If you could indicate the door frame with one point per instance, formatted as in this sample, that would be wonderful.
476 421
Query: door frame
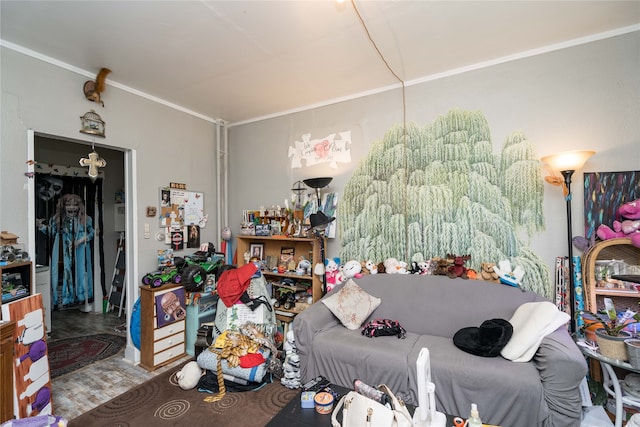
131 353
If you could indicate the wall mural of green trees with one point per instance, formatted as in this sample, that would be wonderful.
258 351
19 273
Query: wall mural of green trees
442 190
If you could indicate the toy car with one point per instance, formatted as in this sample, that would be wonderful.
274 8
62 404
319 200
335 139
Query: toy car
287 299
159 278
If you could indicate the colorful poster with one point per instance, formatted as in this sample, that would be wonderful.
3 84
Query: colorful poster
170 306
31 377
604 193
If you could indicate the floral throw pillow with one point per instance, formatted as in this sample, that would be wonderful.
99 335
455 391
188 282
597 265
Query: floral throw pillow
351 305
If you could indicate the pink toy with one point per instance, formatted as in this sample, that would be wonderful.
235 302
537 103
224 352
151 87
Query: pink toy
628 227
332 271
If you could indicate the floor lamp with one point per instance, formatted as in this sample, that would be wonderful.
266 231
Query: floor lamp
567 163
319 221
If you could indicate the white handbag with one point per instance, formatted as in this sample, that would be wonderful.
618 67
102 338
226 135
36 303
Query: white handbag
361 411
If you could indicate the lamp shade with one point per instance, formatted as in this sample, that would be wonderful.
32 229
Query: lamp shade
567 160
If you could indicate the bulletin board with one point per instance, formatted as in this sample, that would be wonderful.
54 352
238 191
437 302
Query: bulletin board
182 216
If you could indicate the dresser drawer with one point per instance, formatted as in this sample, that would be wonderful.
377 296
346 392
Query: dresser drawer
170 329
168 342
169 354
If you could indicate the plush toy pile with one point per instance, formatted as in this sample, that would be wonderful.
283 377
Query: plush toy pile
451 265
627 224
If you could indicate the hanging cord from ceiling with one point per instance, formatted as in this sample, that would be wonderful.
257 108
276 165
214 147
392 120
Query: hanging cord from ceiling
404 125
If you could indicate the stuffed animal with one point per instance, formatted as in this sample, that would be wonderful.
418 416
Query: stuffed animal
332 272
371 267
189 375
393 266
351 269
442 266
628 227
304 266
509 276
488 273
458 269
426 267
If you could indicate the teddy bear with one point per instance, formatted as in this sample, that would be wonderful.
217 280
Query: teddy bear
488 273
628 227
189 376
442 266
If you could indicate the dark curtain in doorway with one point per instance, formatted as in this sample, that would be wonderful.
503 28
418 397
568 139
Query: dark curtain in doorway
68 221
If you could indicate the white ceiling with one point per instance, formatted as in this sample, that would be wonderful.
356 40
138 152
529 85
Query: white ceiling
245 60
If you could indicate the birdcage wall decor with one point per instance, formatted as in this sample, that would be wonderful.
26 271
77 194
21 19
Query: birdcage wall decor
92 124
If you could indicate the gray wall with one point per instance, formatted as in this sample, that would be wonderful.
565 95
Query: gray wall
171 146
584 97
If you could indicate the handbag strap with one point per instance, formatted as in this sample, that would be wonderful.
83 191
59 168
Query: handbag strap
397 404
334 415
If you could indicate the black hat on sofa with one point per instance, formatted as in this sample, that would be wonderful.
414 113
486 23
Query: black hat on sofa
487 341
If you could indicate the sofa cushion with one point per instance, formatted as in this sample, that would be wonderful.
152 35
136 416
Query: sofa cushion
531 322
351 305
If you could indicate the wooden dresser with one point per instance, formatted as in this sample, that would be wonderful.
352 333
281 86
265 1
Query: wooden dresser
162 336
6 367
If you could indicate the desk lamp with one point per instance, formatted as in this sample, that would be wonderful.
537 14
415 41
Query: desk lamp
567 163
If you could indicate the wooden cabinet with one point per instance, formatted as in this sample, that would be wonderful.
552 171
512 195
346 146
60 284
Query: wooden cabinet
160 343
309 248
7 329
619 249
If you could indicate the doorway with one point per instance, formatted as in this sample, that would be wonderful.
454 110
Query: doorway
58 157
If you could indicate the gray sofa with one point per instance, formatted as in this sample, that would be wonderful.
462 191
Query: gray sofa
543 392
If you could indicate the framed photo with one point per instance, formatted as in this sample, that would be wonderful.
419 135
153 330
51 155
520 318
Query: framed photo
257 250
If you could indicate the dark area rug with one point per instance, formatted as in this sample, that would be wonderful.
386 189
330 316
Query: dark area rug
70 354
161 402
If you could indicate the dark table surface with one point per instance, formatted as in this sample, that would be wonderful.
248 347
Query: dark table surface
294 415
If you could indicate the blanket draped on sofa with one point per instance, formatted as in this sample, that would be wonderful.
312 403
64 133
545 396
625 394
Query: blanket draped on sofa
541 392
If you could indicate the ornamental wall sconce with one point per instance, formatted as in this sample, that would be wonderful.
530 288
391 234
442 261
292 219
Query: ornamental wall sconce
92 124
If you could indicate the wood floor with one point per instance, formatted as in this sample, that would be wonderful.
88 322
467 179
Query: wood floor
89 387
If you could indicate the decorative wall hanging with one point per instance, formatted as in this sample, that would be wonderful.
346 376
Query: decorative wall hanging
92 124
93 162
445 191
93 89
326 150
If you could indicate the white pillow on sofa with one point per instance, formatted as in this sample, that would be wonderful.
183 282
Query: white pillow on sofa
352 305
531 322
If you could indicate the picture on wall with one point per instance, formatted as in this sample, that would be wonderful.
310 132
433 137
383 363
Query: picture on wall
170 306
604 193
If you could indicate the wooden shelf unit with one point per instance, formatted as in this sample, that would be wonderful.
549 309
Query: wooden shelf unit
302 246
618 249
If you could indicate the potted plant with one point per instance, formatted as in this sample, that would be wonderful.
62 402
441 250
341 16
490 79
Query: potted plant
611 335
